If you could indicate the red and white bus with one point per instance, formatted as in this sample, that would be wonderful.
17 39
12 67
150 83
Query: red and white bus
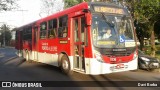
76 39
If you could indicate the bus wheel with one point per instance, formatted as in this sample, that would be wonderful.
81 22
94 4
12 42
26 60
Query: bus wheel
65 65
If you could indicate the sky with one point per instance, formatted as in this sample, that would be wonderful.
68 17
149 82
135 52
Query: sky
28 11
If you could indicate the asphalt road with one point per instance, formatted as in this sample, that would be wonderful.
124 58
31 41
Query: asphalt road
7 53
17 69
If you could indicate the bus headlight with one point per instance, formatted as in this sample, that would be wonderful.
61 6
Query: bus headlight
98 56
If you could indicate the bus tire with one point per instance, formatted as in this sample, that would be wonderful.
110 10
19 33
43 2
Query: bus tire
65 65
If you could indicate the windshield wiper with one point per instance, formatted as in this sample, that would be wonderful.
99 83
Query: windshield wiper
107 21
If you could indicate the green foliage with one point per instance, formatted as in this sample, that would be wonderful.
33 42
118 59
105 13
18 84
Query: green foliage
147 10
6 5
5 30
147 51
157 29
70 3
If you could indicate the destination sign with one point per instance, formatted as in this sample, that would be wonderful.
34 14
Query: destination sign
108 10
106 43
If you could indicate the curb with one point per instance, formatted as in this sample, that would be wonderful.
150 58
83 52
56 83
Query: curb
7 47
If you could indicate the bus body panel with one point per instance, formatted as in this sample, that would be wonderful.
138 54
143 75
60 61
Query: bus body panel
51 50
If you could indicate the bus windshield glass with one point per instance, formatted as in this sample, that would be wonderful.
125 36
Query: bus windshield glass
111 31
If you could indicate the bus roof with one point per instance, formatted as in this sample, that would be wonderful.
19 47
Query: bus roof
83 5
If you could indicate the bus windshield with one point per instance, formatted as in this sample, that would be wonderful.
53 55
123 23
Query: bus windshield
111 31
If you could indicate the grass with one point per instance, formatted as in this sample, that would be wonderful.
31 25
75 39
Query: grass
158 54
158 51
147 50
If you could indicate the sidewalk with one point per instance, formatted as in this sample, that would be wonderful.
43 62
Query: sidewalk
7 47
156 70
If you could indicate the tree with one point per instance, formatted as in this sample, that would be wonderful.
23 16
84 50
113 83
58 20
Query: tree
49 7
6 5
147 12
70 3
142 32
5 31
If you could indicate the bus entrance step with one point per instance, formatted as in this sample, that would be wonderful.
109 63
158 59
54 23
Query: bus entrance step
79 70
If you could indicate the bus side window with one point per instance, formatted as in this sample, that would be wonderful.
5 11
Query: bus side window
43 30
27 33
63 29
52 26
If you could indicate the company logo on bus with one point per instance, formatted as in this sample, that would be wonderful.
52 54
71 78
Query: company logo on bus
118 67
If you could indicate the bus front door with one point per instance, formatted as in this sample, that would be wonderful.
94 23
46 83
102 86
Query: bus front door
79 30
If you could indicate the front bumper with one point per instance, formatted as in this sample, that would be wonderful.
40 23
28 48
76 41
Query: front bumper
95 67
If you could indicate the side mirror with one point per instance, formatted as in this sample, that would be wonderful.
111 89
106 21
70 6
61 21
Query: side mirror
88 19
